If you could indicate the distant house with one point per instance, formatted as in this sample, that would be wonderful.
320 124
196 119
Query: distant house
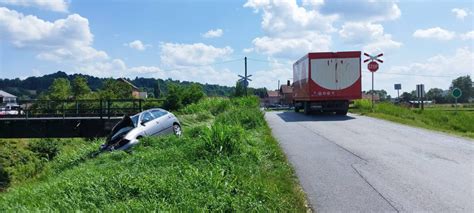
286 94
135 89
272 97
369 96
6 98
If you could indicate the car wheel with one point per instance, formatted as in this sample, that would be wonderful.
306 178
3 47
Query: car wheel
177 130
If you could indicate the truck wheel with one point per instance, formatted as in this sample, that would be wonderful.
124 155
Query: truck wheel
341 112
306 108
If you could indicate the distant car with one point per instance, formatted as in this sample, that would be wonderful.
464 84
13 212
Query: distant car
130 129
10 109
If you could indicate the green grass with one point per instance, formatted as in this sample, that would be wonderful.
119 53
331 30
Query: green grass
226 161
437 118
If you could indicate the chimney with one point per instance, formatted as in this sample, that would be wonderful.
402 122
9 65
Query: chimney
288 83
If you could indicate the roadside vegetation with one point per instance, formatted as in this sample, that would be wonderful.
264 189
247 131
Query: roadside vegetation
227 160
459 121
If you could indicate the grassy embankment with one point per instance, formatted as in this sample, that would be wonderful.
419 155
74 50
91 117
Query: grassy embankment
460 122
226 161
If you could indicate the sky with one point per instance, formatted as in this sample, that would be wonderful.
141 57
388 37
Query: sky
423 42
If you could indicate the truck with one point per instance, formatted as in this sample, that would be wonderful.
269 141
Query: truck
327 81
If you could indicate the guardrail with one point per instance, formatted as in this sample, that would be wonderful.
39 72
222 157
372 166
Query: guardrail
80 108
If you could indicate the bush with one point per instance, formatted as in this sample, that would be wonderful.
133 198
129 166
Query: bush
180 96
363 104
248 118
45 148
4 178
222 139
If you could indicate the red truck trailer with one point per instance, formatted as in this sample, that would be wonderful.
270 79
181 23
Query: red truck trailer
327 81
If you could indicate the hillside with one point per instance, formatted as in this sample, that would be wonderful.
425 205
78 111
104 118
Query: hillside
227 160
31 87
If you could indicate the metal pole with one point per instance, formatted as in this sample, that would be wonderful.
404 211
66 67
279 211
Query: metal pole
372 90
245 83
398 94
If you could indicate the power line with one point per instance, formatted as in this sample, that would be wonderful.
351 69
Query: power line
266 61
203 65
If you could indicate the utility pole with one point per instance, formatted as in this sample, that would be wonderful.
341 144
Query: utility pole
246 77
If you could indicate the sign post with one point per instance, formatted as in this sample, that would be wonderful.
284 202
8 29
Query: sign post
372 66
420 93
456 93
398 87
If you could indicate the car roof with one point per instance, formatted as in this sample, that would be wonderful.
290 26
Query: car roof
149 110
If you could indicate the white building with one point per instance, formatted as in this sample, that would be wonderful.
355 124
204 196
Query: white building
6 98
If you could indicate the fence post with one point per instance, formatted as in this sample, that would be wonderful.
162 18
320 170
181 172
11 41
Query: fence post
77 108
108 109
100 110
62 109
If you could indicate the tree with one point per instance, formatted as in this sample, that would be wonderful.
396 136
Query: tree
60 89
80 87
192 94
173 99
406 97
437 95
113 89
464 83
239 89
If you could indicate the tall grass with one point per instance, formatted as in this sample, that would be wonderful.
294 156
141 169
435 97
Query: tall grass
460 122
227 162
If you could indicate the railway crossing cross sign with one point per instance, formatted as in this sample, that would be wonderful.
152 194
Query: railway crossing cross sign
373 67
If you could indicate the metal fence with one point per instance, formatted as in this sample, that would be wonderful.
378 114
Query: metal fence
81 108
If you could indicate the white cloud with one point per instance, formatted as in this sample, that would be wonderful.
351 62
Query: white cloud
213 33
369 36
53 5
137 45
291 47
291 29
451 66
460 13
468 36
363 10
287 16
248 50
174 54
434 33
63 39
278 70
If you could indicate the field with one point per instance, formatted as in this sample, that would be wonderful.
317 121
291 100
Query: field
458 121
227 160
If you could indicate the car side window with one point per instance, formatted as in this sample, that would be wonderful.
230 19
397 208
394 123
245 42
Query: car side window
147 116
158 113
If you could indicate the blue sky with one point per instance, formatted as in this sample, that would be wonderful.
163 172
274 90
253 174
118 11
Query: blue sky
428 42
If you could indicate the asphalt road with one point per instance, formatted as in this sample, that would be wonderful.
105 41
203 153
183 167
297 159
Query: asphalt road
361 164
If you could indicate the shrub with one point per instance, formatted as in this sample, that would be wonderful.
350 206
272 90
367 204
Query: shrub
222 139
45 148
363 104
248 118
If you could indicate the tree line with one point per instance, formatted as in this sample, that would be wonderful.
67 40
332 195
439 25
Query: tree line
464 83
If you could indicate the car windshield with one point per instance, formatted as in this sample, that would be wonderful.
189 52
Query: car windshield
134 120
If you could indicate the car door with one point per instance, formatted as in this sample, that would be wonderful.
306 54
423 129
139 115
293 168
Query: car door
146 120
162 121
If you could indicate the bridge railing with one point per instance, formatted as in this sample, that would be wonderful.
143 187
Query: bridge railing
82 108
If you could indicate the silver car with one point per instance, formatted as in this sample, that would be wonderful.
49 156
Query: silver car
130 129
